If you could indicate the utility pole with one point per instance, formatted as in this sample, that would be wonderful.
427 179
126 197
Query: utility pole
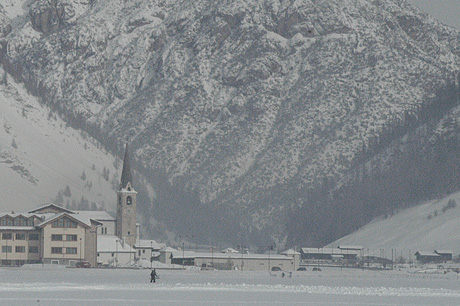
269 250
116 253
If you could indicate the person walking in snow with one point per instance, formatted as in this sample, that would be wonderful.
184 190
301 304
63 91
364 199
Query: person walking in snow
153 276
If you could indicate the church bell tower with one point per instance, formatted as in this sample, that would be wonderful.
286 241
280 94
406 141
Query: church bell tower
126 205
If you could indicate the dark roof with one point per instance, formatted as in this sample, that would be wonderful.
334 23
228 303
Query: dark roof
126 176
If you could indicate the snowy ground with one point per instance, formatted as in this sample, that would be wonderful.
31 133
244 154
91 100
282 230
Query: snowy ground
64 286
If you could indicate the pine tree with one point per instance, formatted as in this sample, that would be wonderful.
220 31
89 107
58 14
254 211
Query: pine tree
67 192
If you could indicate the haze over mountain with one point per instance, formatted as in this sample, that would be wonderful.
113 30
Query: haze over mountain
255 121
446 11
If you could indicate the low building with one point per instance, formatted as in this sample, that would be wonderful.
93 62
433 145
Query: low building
320 254
351 251
329 254
114 252
148 249
231 261
445 255
428 257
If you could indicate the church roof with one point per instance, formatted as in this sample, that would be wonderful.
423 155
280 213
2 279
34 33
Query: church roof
126 176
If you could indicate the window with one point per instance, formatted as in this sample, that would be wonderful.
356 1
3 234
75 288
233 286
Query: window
6 221
30 222
7 236
20 236
71 237
129 200
20 221
7 249
20 249
33 236
33 249
71 250
56 237
56 250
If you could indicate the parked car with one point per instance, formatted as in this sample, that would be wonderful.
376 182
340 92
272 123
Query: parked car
302 269
316 269
276 269
83 264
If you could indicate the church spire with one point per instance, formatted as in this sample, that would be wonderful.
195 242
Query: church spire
126 176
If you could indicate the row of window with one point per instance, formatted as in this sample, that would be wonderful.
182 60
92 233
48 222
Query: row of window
19 249
34 249
60 250
19 236
18 221
64 223
61 237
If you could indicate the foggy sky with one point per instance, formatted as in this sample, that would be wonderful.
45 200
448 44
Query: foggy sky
446 11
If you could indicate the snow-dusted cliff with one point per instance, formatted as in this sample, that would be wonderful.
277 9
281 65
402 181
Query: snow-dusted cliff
242 105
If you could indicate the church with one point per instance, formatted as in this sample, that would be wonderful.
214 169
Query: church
52 234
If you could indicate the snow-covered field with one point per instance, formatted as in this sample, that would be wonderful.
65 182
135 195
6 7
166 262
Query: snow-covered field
64 286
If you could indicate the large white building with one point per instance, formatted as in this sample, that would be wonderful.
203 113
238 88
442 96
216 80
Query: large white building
48 234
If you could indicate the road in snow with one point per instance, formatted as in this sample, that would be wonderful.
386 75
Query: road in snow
37 286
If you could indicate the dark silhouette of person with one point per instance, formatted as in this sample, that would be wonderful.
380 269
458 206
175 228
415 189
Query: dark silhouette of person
153 276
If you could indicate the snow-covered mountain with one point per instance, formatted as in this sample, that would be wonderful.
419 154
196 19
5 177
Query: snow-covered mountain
235 110
431 226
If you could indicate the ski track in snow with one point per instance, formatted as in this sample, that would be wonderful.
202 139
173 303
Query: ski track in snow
366 291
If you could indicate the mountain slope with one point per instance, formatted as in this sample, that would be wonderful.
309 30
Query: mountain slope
235 110
427 227
40 156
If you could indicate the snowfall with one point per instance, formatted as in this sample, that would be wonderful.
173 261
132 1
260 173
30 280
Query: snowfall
37 285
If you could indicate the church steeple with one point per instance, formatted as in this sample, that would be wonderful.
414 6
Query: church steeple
126 205
126 176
